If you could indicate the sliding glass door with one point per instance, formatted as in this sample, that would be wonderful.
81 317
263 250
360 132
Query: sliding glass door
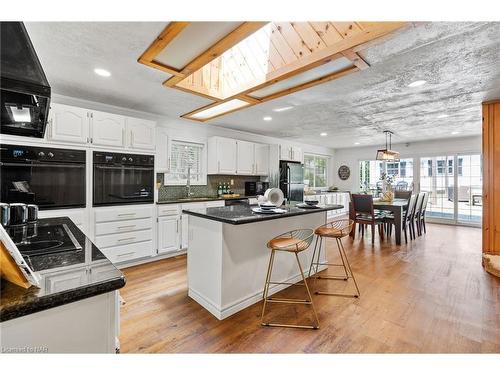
454 184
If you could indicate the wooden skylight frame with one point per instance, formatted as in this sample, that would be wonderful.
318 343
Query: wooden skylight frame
320 43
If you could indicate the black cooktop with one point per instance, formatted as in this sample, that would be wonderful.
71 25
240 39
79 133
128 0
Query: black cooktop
34 239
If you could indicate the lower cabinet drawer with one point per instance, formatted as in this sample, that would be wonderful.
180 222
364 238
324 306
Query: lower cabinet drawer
122 213
123 238
124 253
122 226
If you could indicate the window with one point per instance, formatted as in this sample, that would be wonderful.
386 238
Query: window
371 171
440 167
186 156
315 171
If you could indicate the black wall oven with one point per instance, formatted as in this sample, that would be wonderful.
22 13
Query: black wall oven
51 178
122 178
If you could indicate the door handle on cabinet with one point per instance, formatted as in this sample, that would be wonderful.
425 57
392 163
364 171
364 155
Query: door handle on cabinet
126 239
128 214
125 254
127 226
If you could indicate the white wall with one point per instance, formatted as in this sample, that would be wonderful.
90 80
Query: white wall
352 156
186 129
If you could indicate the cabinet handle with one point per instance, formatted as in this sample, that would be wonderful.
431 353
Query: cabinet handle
127 226
126 239
129 214
125 254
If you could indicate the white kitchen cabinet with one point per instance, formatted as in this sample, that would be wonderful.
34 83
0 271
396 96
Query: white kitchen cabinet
168 234
245 158
291 153
68 124
107 129
66 280
297 154
222 155
140 134
162 148
261 159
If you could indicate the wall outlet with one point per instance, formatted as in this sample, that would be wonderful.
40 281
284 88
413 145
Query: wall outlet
232 182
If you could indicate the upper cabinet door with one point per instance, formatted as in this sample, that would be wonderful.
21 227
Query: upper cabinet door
107 129
285 153
226 156
297 154
162 154
68 124
245 158
261 159
141 133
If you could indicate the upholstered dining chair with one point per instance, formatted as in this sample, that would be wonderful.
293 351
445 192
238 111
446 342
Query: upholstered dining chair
408 217
364 213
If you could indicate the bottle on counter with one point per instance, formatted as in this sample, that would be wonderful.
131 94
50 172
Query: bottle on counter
219 189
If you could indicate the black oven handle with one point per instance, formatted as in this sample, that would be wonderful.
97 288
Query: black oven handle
123 167
42 165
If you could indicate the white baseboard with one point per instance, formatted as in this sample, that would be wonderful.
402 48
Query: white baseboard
150 259
228 310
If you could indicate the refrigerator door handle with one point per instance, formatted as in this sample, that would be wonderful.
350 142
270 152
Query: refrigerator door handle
288 180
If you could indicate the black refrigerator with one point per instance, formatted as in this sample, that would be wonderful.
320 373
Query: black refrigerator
292 181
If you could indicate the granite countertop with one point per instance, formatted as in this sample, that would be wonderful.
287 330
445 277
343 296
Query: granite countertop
203 199
242 214
94 273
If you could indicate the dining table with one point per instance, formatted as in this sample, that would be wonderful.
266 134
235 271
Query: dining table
396 207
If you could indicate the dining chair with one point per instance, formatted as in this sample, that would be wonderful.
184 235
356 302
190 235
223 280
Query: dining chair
402 194
422 212
407 219
364 214
402 186
417 213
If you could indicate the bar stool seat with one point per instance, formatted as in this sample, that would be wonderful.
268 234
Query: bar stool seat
336 229
294 242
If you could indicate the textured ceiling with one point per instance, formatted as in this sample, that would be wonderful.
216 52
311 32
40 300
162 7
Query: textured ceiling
460 62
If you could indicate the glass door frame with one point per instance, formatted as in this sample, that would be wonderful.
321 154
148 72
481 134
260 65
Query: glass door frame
417 184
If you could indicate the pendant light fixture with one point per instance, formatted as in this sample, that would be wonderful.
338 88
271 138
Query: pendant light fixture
387 154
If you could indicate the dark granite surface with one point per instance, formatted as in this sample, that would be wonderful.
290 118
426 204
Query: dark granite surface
203 199
65 277
243 214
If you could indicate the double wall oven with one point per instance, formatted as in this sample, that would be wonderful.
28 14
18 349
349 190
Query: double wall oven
51 178
122 178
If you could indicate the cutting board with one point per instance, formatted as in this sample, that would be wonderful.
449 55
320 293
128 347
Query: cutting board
9 269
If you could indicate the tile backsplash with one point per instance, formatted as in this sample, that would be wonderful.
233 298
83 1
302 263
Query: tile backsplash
169 192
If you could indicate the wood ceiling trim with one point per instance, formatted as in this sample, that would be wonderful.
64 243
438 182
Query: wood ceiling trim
356 59
166 36
309 84
233 38
296 48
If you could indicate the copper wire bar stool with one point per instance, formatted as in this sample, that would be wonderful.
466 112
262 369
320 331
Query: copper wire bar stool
335 229
294 242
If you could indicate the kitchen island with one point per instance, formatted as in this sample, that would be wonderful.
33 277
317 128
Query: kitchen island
76 307
227 255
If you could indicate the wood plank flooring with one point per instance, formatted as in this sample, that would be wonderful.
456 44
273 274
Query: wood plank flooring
430 296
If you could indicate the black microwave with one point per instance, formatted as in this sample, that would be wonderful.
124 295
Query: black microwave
253 188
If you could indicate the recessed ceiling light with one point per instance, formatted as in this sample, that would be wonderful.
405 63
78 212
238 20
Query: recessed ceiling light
267 118
444 115
356 143
102 72
417 83
323 134
454 133
282 109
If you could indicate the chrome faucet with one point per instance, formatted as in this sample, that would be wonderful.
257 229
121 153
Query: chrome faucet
188 183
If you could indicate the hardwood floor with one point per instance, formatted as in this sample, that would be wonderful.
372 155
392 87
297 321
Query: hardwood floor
431 295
